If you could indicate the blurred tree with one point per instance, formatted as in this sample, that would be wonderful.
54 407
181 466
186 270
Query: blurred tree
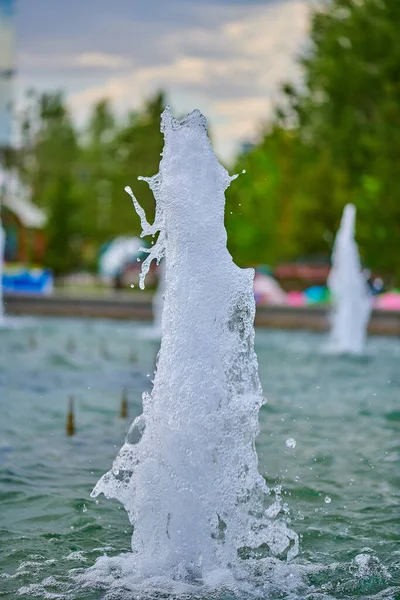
334 140
113 155
46 162
79 179
258 216
138 145
349 117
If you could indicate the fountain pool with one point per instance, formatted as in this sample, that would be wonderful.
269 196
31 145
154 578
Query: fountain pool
339 476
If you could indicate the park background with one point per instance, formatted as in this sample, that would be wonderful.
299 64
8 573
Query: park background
323 131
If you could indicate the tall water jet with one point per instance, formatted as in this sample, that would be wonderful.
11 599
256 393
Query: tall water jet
187 474
158 298
351 298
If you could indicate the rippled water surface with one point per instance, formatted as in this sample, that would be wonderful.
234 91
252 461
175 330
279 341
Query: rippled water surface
330 434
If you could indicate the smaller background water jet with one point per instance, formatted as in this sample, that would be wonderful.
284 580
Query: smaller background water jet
350 294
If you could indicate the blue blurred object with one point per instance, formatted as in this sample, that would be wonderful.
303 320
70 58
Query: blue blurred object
35 281
264 269
316 294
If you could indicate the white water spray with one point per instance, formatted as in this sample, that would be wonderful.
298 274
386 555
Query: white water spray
350 295
187 474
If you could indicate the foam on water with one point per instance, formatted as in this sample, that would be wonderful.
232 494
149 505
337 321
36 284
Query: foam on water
350 295
187 474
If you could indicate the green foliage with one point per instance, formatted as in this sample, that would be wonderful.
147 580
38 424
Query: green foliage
344 125
79 177
334 140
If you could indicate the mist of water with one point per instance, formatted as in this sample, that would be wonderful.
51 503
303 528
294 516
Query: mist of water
187 474
350 294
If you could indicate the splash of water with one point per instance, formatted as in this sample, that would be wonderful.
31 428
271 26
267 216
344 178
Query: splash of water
187 474
351 298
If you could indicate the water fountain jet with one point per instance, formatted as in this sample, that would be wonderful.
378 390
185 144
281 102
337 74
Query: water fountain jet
351 298
187 474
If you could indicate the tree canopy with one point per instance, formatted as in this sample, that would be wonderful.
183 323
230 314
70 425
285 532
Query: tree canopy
334 139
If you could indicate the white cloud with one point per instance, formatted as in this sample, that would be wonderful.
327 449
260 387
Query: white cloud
65 62
102 60
230 63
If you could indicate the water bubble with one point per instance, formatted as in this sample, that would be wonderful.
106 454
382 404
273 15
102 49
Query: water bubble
84 509
297 478
291 443
244 171
327 500
132 285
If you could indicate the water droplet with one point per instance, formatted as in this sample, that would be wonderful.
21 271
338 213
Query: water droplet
328 500
84 509
297 478
138 259
132 285
244 171
291 443
97 501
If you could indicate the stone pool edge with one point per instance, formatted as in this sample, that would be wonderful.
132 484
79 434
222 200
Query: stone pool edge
125 306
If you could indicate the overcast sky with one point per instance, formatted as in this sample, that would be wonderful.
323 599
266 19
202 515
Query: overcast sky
225 57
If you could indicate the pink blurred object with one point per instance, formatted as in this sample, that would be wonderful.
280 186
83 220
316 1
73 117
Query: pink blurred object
295 298
267 290
388 301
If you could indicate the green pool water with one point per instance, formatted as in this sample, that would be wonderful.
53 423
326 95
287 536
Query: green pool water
340 479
